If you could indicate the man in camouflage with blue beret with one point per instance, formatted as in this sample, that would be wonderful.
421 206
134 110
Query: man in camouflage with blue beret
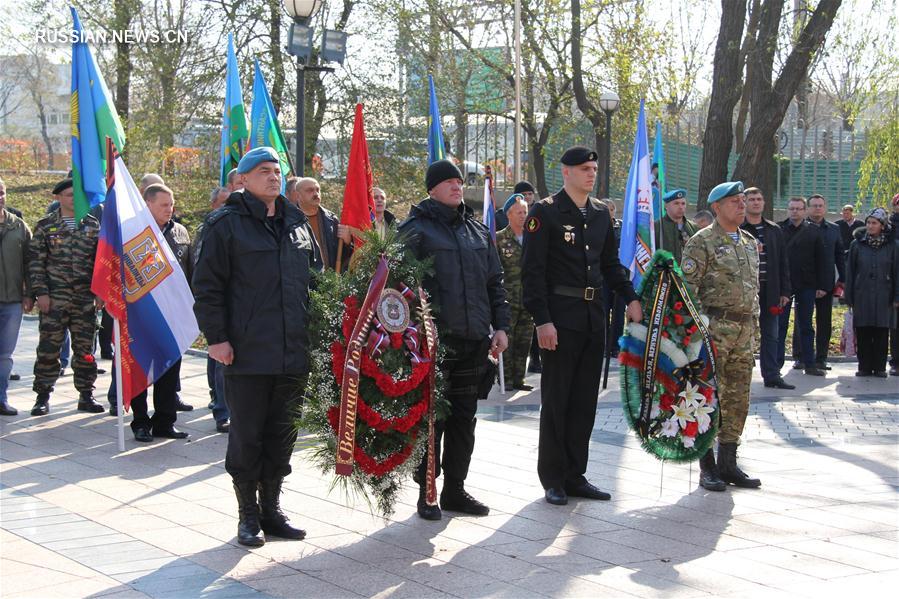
509 245
673 229
721 267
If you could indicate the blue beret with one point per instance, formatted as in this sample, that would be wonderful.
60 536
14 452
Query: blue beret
675 194
725 190
255 157
512 199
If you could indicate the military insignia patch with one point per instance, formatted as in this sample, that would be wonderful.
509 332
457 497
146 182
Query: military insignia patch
533 224
689 266
145 265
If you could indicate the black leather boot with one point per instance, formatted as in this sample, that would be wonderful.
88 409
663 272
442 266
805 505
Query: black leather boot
455 498
87 403
41 405
425 511
272 519
709 478
249 532
730 472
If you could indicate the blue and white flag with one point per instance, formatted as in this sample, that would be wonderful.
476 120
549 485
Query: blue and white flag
637 231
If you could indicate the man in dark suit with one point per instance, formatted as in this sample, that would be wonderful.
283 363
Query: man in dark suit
774 284
569 242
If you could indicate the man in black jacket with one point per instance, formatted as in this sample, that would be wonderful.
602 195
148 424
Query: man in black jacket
570 255
808 276
467 290
251 285
834 262
774 284
324 224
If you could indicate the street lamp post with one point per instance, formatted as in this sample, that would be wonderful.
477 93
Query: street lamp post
608 102
299 44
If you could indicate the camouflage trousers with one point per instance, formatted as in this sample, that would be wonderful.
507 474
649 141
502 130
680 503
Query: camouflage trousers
81 322
734 342
516 355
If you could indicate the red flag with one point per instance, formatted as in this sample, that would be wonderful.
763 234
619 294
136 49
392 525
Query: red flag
358 202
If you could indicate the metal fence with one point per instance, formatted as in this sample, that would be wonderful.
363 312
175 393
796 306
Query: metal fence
821 159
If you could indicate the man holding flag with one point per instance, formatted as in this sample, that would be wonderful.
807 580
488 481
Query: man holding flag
569 255
251 284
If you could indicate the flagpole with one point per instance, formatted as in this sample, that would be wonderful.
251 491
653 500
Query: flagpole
120 419
517 91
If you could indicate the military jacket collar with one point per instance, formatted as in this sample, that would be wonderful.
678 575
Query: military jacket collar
718 230
566 204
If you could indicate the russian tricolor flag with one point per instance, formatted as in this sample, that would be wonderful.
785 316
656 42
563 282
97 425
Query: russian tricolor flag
145 290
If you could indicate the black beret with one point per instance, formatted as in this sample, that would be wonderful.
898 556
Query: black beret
577 155
62 186
523 186
440 171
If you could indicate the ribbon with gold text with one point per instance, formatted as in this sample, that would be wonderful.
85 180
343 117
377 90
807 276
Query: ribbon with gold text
431 340
349 390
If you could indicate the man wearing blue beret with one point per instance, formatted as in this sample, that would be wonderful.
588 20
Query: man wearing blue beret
673 229
721 267
251 286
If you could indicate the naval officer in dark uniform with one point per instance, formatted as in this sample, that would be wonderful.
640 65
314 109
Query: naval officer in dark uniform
570 253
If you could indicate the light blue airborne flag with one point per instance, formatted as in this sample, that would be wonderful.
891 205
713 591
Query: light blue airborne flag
436 148
94 118
234 119
264 128
658 157
637 234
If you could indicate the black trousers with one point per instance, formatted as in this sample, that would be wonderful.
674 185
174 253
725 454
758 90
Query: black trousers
823 327
894 342
463 368
872 348
262 432
569 387
104 334
164 412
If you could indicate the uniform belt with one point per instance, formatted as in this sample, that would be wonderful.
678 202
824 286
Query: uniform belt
731 315
585 293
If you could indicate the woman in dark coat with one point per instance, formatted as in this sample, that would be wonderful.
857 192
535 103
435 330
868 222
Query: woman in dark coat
872 291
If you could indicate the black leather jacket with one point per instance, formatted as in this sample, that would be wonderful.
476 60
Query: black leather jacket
467 286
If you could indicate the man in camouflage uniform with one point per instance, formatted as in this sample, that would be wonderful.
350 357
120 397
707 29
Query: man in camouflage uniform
508 243
721 267
60 269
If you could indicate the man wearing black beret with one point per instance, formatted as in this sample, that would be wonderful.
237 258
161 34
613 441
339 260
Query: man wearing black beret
60 270
467 287
570 254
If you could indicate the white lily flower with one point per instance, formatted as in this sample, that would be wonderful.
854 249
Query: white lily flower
669 427
691 393
703 418
683 412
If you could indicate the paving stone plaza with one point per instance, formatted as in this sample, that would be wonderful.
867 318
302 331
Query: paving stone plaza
80 519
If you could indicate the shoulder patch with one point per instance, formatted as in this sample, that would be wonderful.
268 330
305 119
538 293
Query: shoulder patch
533 224
688 266
548 200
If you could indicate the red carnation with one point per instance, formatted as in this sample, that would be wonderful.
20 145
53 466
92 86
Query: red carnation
678 319
678 305
692 329
89 358
666 402
687 340
707 392
665 321
775 310
691 429
665 334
